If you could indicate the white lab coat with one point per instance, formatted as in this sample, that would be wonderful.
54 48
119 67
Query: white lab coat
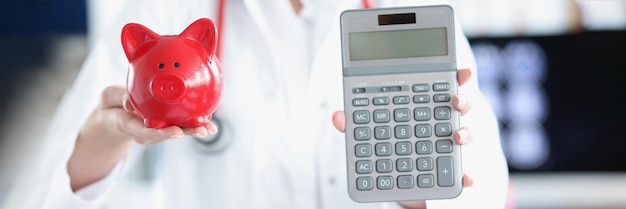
282 83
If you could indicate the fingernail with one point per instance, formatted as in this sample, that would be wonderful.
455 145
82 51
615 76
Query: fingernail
177 136
212 130
201 134
180 135
166 134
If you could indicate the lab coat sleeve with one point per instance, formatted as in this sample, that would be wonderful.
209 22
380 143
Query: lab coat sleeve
98 188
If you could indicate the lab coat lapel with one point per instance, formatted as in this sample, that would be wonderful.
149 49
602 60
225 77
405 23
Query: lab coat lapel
325 80
284 150
254 9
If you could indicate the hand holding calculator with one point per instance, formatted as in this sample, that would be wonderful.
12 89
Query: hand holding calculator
399 68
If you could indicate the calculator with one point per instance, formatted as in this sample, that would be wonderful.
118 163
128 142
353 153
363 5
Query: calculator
399 78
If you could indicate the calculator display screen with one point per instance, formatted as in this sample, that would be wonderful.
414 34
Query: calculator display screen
398 44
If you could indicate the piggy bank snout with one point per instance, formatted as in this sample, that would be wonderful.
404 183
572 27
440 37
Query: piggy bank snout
168 87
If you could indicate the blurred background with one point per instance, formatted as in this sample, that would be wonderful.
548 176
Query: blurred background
551 70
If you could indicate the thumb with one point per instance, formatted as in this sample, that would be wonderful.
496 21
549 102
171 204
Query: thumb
339 120
114 96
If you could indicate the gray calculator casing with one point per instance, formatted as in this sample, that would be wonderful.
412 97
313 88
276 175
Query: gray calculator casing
391 78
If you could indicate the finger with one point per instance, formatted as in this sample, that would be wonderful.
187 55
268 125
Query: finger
198 132
467 181
462 103
133 126
114 96
127 105
339 121
463 75
171 132
211 128
161 135
413 204
201 131
463 136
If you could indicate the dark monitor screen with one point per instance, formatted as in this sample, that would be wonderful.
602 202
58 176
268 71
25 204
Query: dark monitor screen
560 99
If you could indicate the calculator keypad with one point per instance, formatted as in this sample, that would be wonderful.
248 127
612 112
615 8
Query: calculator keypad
404 138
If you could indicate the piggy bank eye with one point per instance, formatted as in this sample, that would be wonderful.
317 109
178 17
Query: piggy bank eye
161 66
176 65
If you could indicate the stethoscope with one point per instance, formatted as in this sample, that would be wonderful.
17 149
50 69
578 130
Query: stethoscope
221 140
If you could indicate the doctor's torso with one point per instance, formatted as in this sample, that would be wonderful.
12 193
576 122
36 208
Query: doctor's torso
282 81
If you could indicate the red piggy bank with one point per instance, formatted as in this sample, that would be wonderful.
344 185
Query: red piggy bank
173 80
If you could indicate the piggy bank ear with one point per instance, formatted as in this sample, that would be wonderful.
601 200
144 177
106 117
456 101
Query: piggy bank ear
204 31
133 36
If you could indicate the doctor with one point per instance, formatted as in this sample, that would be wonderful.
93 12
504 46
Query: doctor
276 147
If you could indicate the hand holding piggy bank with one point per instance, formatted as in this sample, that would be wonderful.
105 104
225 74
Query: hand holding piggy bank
173 80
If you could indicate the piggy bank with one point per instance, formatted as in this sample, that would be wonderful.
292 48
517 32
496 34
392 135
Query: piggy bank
173 80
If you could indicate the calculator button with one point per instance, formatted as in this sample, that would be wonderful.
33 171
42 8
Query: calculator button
385 182
443 129
364 167
442 113
402 114
403 131
424 164
391 88
363 150
441 86
382 132
445 171
362 133
404 164
425 181
381 116
361 116
384 166
443 146
421 113
358 90
405 181
380 100
364 183
401 100
403 148
391 164
357 102
424 147
383 149
423 130
424 98
441 97
422 87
